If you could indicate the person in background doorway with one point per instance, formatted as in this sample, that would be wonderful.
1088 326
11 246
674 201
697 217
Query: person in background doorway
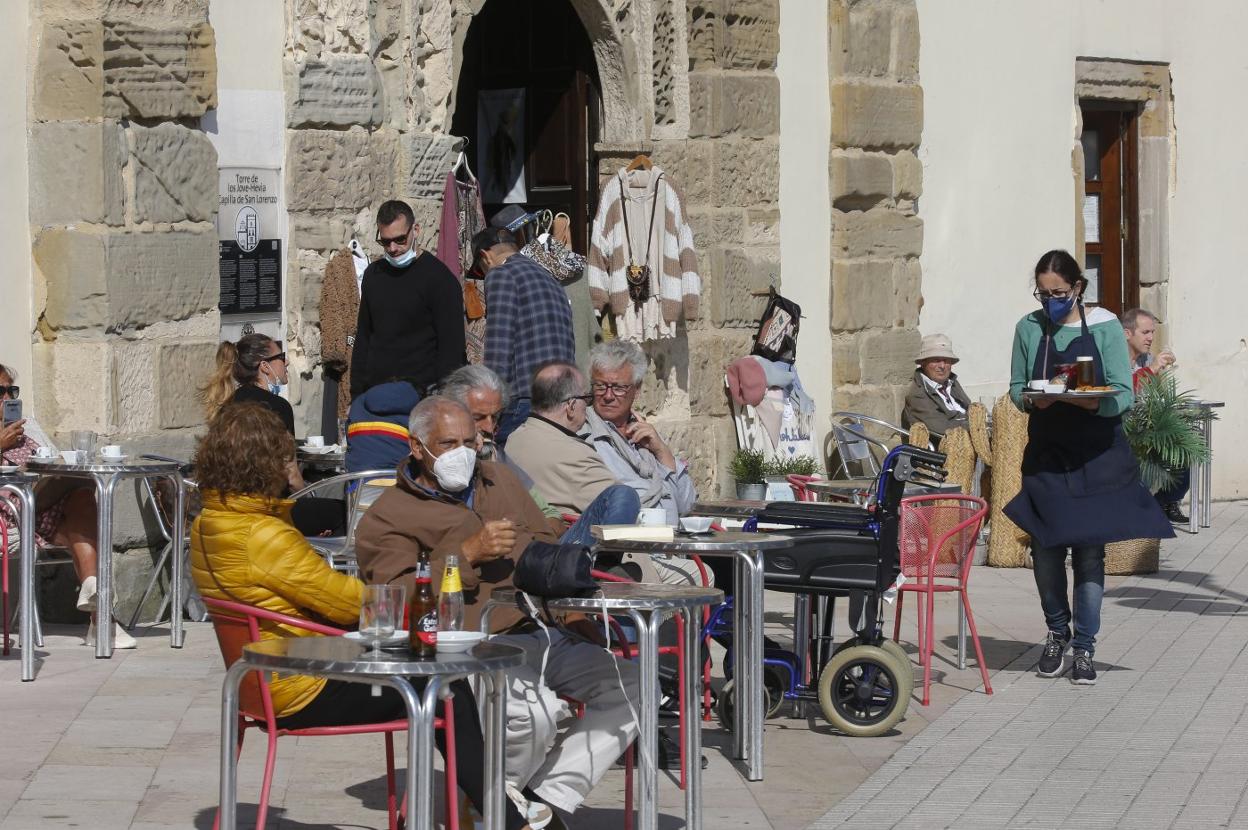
529 322
936 398
411 322
1140 328
1081 485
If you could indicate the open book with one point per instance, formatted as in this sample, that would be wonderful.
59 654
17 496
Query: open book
634 533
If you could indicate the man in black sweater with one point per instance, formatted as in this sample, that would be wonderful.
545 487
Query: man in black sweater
411 322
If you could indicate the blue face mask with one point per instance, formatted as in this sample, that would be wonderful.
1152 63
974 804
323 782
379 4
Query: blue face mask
1058 309
402 260
276 388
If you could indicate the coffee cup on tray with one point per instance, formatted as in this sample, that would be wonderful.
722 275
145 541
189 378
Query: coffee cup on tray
315 441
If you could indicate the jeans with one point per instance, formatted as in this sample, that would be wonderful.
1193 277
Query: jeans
1049 568
516 413
616 505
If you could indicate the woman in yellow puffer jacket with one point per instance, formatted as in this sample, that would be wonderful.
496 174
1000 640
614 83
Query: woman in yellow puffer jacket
244 549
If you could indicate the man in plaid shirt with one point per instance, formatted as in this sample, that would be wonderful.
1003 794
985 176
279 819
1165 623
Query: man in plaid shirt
528 320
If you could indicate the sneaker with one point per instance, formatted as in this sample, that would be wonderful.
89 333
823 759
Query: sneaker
121 637
1053 660
1175 514
86 595
1083 673
536 814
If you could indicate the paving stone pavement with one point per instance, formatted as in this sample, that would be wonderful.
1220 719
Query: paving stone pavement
132 742
1160 742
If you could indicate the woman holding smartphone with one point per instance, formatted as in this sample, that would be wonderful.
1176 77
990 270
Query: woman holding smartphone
1081 485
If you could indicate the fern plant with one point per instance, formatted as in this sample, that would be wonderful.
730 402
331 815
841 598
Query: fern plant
1162 430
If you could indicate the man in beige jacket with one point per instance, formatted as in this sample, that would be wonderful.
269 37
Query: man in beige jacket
564 467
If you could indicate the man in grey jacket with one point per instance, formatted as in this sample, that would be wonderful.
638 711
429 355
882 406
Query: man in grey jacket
935 398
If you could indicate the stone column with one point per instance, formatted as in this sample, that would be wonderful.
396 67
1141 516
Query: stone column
876 180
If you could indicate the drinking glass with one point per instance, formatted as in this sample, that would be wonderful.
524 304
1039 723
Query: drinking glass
83 441
381 611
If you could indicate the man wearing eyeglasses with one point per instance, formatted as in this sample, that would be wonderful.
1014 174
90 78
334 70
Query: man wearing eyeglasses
411 322
564 467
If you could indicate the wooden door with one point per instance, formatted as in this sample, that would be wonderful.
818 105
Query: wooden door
1110 209
541 48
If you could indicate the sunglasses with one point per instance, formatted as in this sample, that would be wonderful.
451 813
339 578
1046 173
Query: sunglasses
11 391
394 240
279 356
586 398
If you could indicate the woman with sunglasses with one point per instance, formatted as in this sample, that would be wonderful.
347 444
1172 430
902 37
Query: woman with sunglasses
64 509
1081 485
254 370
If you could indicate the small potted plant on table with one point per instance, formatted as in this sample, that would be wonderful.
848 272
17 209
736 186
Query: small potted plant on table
748 469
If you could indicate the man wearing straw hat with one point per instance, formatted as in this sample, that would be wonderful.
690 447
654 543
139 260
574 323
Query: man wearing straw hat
935 398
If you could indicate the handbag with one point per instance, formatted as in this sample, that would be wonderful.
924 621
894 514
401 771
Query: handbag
554 571
777 329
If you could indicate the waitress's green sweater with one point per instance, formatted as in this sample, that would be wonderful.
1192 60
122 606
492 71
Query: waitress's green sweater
1105 329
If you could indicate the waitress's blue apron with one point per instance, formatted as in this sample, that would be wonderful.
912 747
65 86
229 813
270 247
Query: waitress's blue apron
1081 483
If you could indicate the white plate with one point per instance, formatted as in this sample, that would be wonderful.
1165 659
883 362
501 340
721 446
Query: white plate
320 450
113 459
5 469
398 638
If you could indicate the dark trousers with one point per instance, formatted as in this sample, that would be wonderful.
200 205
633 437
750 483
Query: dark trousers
348 704
313 516
1175 492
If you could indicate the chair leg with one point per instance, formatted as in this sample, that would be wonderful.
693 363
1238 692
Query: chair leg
452 774
901 597
4 588
270 761
630 760
928 646
979 652
680 694
391 807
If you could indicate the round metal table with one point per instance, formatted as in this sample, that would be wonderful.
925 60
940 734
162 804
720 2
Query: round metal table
105 475
341 659
747 549
22 485
648 604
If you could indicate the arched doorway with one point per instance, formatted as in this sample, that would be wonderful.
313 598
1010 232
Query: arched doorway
528 98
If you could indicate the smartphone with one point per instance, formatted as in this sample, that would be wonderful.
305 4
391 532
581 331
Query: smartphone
12 411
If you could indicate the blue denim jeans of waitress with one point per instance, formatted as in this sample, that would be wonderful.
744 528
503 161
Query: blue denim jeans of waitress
1049 568
616 505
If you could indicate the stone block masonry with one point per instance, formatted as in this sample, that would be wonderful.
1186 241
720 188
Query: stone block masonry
875 178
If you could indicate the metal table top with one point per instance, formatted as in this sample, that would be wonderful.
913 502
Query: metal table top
338 655
18 476
623 595
141 467
702 543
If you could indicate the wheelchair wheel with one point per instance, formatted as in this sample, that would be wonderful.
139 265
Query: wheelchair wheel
860 691
773 698
895 651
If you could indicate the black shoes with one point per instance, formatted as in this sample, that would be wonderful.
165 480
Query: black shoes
1175 514
1083 673
1052 661
669 752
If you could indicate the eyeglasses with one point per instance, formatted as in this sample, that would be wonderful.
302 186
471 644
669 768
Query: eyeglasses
583 398
279 356
11 391
616 389
1053 295
394 240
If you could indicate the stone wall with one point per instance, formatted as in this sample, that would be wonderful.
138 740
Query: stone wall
876 180
122 202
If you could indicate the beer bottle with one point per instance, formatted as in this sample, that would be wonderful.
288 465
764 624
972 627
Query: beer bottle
451 597
423 616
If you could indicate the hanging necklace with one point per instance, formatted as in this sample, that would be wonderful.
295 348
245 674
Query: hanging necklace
638 276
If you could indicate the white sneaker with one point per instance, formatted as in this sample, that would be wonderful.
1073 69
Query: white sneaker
86 595
537 814
121 637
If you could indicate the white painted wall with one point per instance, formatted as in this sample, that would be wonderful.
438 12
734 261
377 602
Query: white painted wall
998 82
15 265
805 203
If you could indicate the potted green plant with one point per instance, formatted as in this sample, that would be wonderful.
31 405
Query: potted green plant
1162 429
748 469
776 472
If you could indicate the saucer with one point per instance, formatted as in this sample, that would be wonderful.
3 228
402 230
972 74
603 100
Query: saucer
398 638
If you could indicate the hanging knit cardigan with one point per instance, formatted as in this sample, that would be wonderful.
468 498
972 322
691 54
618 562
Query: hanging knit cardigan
678 287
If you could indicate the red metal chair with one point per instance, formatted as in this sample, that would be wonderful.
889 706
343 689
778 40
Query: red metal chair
800 491
236 625
936 541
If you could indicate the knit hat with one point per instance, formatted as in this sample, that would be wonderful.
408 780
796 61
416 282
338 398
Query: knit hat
746 381
936 345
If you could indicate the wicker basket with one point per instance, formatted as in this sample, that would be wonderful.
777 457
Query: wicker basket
1132 556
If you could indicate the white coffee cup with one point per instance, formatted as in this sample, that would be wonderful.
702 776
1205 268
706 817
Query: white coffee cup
110 451
69 456
44 452
316 441
1037 385
652 516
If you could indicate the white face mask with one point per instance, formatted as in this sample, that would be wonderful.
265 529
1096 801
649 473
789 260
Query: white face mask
453 469
402 260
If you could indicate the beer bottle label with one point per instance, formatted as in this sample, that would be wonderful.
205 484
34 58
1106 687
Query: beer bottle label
427 628
450 581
